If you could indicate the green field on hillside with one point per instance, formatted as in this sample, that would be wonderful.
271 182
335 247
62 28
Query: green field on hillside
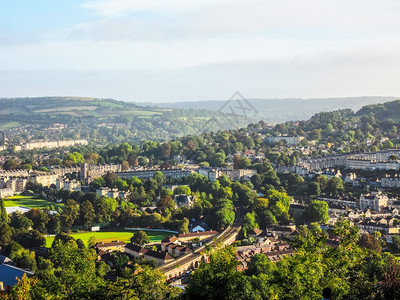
108 236
9 125
30 201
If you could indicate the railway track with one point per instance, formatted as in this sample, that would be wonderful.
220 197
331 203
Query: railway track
223 236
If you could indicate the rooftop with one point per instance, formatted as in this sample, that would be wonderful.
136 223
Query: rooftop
9 274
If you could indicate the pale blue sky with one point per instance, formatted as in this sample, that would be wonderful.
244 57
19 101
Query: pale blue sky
172 50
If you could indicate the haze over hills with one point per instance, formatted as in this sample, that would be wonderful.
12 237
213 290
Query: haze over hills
288 109
111 121
104 120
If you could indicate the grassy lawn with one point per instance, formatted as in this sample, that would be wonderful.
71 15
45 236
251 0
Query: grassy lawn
108 236
9 125
140 112
30 201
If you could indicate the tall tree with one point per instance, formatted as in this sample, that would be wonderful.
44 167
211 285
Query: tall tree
316 211
87 213
70 213
3 212
140 238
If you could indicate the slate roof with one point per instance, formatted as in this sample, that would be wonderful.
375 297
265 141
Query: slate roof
160 255
9 274
136 248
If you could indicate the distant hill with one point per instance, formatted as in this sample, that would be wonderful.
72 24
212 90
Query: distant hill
73 106
382 111
290 109
104 120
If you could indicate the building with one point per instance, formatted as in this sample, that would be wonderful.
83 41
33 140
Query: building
111 246
390 181
233 174
135 250
340 201
175 250
375 201
18 185
112 193
51 144
184 200
6 192
141 252
171 174
239 174
363 161
290 140
283 230
9 275
188 237
45 179
374 225
69 185
274 251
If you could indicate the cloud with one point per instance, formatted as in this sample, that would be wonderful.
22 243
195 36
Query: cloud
180 49
322 74
118 8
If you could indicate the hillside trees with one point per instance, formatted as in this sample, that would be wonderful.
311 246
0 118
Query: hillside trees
316 211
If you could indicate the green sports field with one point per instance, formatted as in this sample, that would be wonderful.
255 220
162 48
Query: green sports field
108 236
30 201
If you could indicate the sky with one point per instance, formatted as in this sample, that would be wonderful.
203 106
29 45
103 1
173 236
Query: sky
189 50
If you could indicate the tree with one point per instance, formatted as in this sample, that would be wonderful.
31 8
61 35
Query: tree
74 158
160 179
316 211
314 189
3 213
91 158
5 234
140 238
24 259
222 214
144 284
219 279
34 239
104 208
19 221
73 275
125 165
109 179
54 224
249 223
10 164
184 226
165 150
166 202
39 219
87 213
334 186
23 289
315 134
182 190
259 264
70 213
369 241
